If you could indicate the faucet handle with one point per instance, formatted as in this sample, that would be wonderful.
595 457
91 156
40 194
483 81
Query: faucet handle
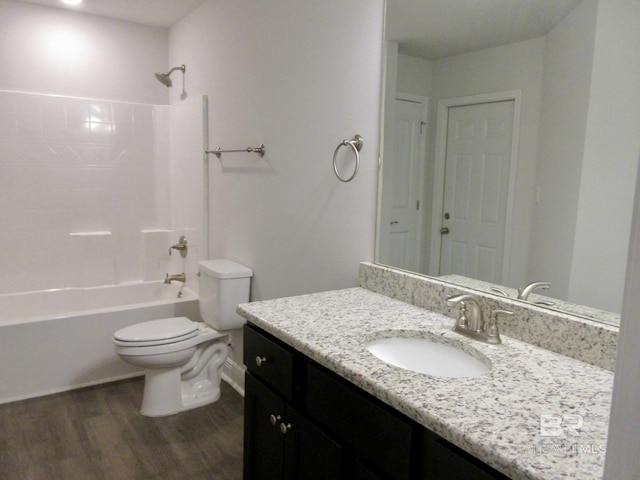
499 291
470 316
462 320
493 332
462 298
181 246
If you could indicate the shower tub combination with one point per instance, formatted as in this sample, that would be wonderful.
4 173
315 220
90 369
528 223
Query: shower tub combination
57 340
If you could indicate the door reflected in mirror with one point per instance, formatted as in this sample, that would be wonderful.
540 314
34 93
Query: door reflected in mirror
510 146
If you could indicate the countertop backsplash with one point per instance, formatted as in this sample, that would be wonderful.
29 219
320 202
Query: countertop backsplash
573 336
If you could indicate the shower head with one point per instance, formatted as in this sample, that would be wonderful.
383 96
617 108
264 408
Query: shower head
165 79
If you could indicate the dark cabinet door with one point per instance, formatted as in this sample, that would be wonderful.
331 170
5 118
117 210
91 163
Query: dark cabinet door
281 444
310 453
363 473
445 461
381 439
263 442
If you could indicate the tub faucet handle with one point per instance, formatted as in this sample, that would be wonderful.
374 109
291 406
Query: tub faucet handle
181 246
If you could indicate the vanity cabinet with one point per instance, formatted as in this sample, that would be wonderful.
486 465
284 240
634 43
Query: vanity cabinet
280 443
444 461
304 422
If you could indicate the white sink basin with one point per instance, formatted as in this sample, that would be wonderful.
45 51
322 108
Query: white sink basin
425 356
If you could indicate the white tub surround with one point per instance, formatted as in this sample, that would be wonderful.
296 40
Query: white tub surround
79 179
495 417
576 337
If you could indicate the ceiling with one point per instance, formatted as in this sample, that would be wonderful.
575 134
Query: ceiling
424 28
435 29
157 13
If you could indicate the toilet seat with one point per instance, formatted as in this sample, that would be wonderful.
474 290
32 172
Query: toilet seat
156 332
203 333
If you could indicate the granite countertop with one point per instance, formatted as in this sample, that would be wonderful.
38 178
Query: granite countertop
536 415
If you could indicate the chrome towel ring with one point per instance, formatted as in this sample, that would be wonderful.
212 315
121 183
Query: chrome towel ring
356 143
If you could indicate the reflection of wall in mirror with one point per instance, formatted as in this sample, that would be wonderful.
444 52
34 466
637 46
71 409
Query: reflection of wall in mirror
568 65
606 159
553 238
516 66
609 167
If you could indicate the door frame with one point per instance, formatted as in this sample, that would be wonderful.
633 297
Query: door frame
439 171
420 170
384 212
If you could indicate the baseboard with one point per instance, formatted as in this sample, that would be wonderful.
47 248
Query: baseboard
75 386
233 374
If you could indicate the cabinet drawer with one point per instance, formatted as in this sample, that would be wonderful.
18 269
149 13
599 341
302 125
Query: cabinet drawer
381 438
269 360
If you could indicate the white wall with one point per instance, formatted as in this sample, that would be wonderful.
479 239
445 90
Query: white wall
414 75
622 459
607 183
300 79
48 50
567 73
587 180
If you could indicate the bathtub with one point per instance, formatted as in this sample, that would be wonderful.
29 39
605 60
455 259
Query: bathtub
57 340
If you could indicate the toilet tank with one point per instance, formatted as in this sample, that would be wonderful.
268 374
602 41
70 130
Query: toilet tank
223 285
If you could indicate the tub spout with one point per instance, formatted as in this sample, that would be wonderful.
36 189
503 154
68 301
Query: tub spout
180 277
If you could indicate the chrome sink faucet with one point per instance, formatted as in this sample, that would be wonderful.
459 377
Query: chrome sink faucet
471 323
523 293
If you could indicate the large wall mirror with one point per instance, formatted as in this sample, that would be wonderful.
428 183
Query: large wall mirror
510 145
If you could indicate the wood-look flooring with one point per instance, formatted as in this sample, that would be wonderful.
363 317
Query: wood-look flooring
97 433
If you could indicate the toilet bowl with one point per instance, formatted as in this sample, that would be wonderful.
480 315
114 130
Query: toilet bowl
182 358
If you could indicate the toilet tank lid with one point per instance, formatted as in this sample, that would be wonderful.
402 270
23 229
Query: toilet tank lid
223 268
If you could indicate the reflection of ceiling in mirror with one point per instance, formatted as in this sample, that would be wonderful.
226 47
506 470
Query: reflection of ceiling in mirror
435 29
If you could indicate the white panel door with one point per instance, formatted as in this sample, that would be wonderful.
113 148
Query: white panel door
405 226
478 157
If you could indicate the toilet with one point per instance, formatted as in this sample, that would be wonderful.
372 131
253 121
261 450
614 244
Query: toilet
183 359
